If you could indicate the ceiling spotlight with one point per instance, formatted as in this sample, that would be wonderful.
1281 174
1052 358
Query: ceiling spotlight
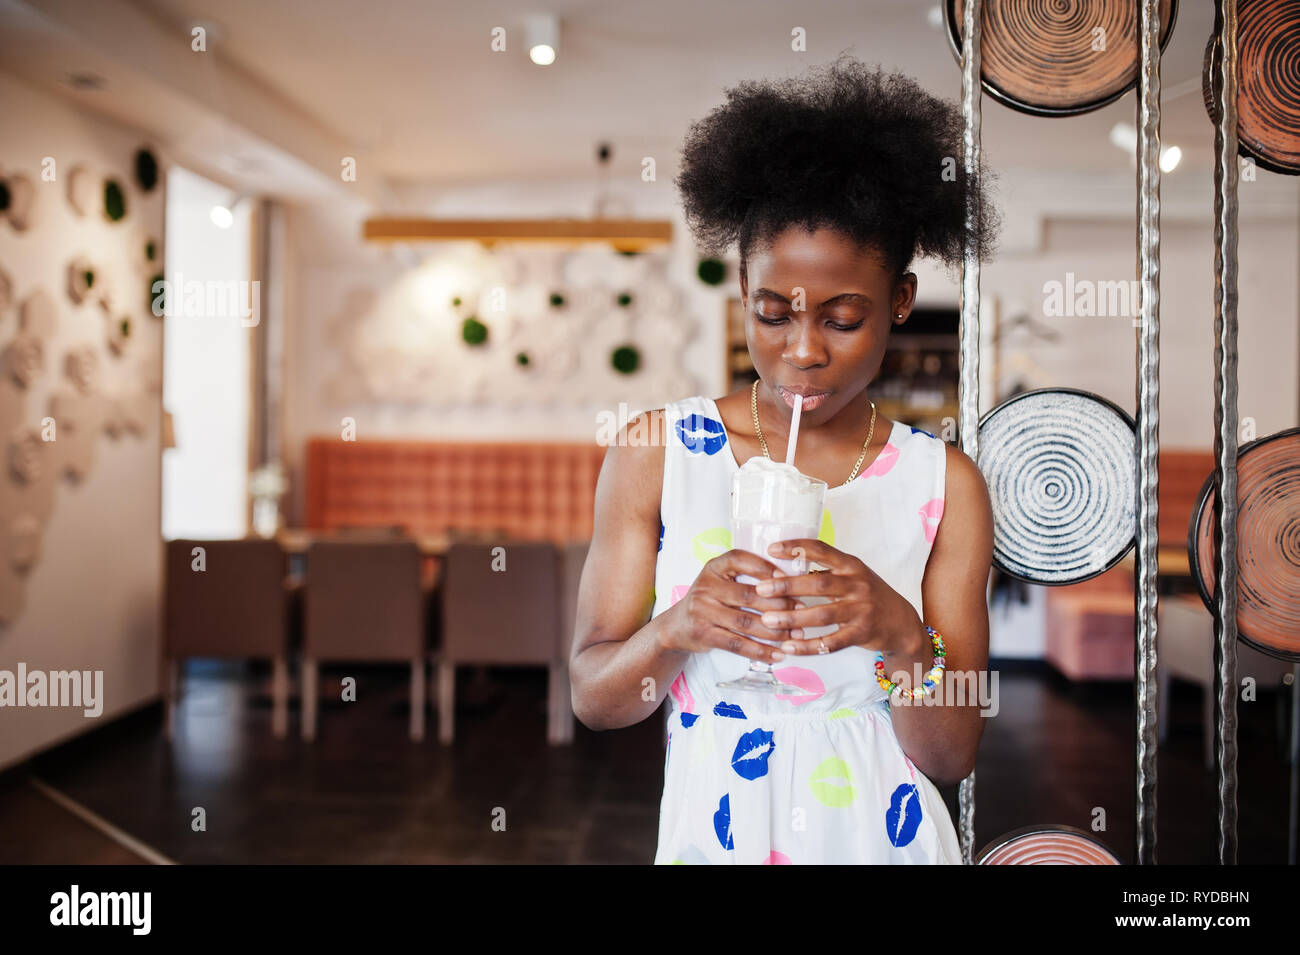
1125 137
223 213
542 34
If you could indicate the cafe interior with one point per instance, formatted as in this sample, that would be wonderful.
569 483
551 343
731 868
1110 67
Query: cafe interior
316 316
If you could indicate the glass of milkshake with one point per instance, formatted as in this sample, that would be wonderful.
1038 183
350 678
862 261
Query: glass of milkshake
771 502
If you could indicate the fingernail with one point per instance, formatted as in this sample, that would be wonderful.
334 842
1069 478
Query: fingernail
765 588
775 548
778 655
789 647
770 620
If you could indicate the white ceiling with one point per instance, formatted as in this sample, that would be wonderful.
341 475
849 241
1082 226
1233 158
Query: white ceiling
413 88
415 85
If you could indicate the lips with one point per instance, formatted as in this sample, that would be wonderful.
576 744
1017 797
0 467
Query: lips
701 435
883 464
752 752
832 783
807 680
730 710
722 822
811 401
903 815
930 515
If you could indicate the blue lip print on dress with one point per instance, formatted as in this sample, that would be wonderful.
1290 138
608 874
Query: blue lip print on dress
731 710
688 719
753 750
916 430
700 434
722 822
661 535
903 815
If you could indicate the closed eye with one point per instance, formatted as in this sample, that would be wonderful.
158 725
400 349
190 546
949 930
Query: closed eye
834 325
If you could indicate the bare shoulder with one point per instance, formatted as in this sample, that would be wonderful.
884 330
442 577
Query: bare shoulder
963 474
965 494
633 468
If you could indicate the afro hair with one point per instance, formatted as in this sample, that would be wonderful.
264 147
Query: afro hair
849 147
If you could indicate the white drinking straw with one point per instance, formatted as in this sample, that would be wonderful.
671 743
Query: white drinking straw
794 430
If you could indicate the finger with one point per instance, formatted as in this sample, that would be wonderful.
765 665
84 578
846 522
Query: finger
811 548
723 639
811 646
821 584
737 561
743 622
739 595
818 615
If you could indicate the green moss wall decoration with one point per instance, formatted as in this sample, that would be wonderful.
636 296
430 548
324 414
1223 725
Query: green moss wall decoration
114 201
711 271
473 331
625 359
146 170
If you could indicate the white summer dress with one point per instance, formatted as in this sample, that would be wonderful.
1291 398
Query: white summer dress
753 778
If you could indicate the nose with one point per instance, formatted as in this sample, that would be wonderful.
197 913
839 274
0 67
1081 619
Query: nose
804 345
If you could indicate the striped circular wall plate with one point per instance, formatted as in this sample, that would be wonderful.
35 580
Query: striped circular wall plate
1061 468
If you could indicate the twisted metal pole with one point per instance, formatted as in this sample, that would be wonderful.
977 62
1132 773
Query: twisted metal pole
968 370
1148 421
1224 85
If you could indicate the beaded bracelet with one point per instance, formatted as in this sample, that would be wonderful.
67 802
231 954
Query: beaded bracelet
932 678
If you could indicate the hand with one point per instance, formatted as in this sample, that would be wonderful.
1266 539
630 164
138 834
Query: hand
867 610
711 616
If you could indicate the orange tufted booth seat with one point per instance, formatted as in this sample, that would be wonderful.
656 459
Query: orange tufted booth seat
534 491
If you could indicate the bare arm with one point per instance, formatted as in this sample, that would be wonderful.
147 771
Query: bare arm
617 647
614 648
942 740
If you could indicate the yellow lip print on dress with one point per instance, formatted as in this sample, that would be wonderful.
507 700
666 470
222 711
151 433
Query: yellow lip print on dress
707 545
832 783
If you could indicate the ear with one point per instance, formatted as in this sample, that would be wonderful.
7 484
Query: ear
904 298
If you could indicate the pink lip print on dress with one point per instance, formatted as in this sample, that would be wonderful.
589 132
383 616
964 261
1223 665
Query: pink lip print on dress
685 700
930 514
883 464
679 591
803 678
777 858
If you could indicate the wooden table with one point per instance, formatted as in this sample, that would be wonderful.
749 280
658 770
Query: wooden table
296 540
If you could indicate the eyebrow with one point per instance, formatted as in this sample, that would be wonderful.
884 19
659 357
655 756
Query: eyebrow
850 298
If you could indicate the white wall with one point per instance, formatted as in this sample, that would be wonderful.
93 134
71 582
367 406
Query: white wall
205 477
92 599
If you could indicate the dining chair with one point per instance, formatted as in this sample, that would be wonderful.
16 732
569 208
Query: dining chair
226 599
503 605
362 602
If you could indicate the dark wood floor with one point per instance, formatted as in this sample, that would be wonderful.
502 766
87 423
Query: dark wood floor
364 793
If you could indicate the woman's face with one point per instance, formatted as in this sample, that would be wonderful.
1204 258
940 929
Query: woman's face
831 340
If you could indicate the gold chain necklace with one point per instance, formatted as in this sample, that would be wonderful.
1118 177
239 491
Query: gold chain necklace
753 407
